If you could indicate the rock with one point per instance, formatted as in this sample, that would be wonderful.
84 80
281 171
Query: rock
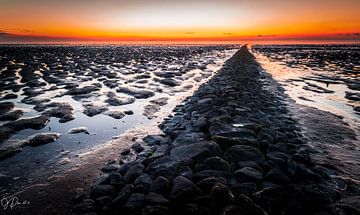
210 173
34 123
217 163
196 151
137 93
102 201
122 197
118 101
134 172
277 176
248 174
128 112
207 184
144 180
6 152
186 138
79 130
115 114
43 138
102 190
153 139
244 153
110 168
169 82
186 172
135 201
221 194
9 96
6 107
155 210
137 147
183 189
83 90
64 111
156 199
11 116
93 110
164 166
86 207
161 185
227 142
125 152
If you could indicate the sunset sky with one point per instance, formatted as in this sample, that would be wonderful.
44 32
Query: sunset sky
27 21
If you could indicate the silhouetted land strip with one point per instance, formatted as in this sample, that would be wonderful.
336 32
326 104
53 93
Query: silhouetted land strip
231 148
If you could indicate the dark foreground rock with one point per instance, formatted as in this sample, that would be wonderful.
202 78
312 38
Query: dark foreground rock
231 148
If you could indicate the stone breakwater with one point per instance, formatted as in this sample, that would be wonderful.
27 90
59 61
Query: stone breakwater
231 148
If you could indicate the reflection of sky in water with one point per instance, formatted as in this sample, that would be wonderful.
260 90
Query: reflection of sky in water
33 162
295 73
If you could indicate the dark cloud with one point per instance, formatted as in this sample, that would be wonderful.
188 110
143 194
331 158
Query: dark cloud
228 33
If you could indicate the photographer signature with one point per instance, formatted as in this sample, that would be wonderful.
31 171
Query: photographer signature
12 202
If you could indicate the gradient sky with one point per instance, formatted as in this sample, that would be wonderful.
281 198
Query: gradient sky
180 20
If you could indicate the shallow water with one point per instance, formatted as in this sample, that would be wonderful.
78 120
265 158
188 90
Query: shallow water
320 78
55 70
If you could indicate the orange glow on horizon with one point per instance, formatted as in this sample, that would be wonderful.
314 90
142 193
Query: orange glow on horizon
183 21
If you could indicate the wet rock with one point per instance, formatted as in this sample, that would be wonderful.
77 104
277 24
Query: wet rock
9 96
128 112
34 123
144 180
102 190
164 166
183 189
154 107
93 110
125 152
207 183
137 147
277 176
79 130
156 199
115 100
64 111
196 151
221 194
86 207
217 163
6 152
186 172
161 185
134 172
135 201
6 107
122 197
137 93
169 82
244 153
82 90
43 138
153 139
248 174
11 116
186 138
115 114
155 210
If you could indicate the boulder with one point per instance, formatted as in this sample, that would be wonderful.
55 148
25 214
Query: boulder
244 153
